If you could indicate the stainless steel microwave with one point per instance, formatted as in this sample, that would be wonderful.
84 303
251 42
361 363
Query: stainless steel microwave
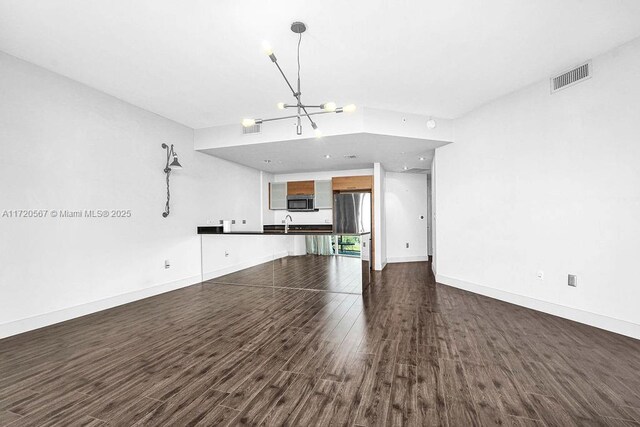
300 203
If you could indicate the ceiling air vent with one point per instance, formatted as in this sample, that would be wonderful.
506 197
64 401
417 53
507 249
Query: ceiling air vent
251 129
350 156
571 77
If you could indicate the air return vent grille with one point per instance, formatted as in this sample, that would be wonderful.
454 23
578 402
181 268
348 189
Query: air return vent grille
571 77
251 129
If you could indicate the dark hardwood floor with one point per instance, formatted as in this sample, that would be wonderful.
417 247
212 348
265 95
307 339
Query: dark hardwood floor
407 352
311 272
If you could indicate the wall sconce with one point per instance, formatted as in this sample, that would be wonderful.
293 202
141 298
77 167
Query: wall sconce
167 170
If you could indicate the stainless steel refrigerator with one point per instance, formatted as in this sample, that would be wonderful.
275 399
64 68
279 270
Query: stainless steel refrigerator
351 213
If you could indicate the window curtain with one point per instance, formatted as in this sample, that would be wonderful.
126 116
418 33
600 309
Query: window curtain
319 245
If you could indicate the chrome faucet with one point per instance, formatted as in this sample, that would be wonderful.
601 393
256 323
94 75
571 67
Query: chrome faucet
286 223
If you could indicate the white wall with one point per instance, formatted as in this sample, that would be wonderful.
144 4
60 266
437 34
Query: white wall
67 146
322 216
380 218
405 204
549 182
429 216
268 216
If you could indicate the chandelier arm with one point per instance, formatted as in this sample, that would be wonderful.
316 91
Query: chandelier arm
293 91
306 113
295 115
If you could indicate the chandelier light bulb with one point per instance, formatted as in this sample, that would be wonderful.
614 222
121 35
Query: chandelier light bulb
318 133
248 122
329 106
266 47
349 108
280 105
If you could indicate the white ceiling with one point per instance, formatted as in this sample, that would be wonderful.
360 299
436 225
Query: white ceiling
199 62
308 155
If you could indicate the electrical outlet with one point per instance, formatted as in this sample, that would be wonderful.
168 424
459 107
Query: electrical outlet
244 221
407 245
233 221
167 264
226 253
540 275
572 280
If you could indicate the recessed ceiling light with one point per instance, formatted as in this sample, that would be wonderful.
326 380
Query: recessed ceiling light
267 161
422 159
431 124
405 167
327 156
350 156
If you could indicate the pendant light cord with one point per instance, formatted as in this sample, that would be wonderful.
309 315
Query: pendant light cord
299 40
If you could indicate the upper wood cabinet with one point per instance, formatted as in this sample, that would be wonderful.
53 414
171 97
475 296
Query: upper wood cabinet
347 183
323 195
322 190
277 195
300 188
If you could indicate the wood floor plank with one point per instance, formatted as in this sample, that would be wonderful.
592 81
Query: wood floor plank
186 408
552 413
345 406
317 407
266 399
430 399
292 401
220 416
377 395
403 410
7 418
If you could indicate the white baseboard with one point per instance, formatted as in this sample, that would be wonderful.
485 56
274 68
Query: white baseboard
24 325
242 265
592 319
392 260
36 322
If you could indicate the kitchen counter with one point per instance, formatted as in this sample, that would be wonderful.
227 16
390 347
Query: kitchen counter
208 229
295 247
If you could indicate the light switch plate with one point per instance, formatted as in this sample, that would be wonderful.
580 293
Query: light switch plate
573 280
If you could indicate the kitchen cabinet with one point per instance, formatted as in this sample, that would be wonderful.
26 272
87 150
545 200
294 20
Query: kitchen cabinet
300 188
349 183
323 194
277 195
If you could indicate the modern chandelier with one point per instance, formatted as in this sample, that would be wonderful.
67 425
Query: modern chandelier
302 110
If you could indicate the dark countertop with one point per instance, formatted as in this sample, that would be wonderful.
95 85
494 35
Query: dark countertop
278 230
